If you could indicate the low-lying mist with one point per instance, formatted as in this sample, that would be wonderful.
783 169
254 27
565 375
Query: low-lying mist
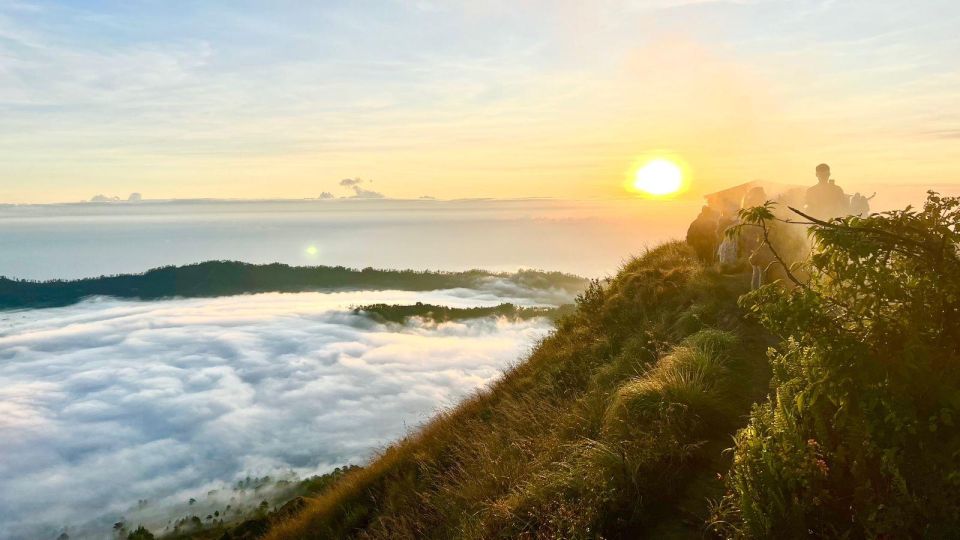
107 402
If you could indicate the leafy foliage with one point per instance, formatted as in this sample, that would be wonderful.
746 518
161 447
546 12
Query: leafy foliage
859 438
140 533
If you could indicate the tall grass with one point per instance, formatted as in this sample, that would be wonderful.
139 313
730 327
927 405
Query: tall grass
613 426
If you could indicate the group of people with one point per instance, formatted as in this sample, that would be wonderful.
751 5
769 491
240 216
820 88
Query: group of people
708 236
827 200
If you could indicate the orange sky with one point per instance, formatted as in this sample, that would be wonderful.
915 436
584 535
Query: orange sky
500 101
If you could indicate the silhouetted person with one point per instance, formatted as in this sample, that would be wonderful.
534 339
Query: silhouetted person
860 205
728 218
751 240
728 252
826 199
702 235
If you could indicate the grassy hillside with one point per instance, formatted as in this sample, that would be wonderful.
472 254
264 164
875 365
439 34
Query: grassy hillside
837 387
615 424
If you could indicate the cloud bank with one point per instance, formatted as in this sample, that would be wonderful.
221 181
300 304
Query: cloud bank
361 193
101 198
108 402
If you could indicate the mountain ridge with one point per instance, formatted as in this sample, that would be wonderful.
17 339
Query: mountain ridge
226 278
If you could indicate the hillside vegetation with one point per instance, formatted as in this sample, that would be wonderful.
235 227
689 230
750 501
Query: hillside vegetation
860 437
397 313
613 426
616 426
246 515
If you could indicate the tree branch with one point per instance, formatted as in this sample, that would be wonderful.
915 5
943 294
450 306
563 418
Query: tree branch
766 240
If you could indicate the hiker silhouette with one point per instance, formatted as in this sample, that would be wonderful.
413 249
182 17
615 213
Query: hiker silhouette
702 235
826 199
860 204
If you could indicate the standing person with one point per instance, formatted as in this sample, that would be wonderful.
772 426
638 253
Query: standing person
728 251
860 205
826 200
752 241
702 235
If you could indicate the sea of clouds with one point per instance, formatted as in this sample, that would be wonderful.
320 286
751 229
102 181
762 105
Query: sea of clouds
108 402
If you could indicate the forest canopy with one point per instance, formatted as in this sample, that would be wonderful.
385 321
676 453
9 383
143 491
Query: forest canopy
224 278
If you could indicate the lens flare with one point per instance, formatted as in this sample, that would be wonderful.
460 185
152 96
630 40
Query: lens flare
659 177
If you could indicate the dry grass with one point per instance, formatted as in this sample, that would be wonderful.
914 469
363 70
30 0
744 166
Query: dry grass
610 427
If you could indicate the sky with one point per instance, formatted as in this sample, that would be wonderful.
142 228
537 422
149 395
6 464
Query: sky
587 238
459 99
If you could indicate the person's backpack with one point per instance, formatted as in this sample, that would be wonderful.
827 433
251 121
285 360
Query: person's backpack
727 252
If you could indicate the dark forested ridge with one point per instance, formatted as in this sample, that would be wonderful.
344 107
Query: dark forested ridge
224 278
243 511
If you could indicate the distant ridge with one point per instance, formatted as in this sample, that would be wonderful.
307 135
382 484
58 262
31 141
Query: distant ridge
225 278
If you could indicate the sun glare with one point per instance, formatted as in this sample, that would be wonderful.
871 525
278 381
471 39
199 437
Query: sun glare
659 177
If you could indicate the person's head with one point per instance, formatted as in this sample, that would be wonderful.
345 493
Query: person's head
823 173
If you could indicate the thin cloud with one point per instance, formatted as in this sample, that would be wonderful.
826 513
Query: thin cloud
104 198
358 191
361 193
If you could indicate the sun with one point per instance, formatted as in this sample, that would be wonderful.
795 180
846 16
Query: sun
659 177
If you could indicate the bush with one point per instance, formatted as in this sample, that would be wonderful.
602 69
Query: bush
859 437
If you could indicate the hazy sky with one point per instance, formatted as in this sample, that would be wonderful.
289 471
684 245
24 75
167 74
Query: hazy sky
469 98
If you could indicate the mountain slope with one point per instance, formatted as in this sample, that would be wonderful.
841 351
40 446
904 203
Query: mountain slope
614 425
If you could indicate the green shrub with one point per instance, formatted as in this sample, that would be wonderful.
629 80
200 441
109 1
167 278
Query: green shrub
859 438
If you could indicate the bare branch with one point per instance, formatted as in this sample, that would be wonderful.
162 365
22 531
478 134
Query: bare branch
776 255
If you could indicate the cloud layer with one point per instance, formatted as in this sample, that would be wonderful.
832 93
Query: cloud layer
358 191
108 402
